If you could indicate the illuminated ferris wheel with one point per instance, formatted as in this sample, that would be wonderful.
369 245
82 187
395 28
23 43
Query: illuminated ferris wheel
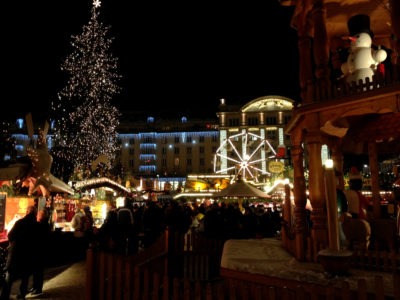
245 154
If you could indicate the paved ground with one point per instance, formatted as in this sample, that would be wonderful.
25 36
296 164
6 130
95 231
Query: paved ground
61 282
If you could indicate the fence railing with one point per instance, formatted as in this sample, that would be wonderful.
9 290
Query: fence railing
188 267
254 286
375 260
117 276
194 256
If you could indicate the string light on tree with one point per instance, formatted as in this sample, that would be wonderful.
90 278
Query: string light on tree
85 119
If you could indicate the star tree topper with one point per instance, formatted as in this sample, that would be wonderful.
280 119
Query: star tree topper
96 3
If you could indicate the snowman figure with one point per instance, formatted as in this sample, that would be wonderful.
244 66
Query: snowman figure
362 61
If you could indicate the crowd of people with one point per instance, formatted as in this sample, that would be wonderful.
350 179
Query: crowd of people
135 226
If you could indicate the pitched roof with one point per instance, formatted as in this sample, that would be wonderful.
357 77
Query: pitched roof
241 189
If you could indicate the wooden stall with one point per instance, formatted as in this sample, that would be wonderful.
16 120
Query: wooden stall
360 117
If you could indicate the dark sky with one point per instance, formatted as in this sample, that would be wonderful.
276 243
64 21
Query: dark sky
185 56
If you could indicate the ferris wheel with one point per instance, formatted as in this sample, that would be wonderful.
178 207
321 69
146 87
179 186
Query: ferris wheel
245 154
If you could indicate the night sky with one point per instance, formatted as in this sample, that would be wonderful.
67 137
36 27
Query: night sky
186 56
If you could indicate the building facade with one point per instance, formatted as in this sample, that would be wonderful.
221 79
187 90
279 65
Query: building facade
241 139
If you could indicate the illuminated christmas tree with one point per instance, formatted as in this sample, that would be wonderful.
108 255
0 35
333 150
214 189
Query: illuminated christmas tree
85 120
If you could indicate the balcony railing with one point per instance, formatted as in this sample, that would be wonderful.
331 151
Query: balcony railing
322 90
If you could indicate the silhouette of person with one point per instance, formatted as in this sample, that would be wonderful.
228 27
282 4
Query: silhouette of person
77 223
41 251
125 224
107 234
20 261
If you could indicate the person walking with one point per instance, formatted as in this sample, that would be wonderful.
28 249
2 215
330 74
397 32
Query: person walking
20 261
78 224
126 239
88 224
41 252
107 235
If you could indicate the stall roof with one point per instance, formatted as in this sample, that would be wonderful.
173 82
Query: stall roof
241 189
59 186
99 182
